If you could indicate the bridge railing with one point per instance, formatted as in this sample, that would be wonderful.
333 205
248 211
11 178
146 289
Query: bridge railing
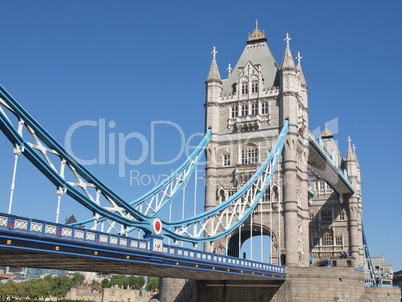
329 159
153 244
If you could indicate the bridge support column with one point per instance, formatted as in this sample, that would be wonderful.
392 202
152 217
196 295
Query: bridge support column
177 290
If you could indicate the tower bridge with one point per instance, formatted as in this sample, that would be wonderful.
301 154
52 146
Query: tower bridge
266 174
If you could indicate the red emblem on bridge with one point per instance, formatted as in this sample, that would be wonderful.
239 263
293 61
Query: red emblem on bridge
157 225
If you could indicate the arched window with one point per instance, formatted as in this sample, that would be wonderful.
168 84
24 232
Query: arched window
235 111
254 87
244 88
226 159
312 216
265 197
342 215
249 155
326 215
254 109
244 110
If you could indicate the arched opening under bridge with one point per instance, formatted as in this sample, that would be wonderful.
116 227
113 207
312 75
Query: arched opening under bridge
246 243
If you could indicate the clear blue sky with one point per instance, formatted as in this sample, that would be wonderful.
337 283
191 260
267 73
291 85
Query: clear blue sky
134 62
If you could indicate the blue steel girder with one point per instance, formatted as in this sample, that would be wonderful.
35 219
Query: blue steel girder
38 243
321 163
230 214
42 146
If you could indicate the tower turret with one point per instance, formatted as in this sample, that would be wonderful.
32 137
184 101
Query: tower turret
354 206
288 91
213 92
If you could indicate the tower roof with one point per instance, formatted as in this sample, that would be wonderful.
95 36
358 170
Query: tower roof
287 61
256 52
213 74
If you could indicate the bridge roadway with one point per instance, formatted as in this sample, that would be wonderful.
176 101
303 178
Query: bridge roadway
322 163
34 243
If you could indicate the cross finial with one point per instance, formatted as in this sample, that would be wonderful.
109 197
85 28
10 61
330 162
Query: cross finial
349 140
287 39
354 148
256 24
229 70
298 58
214 52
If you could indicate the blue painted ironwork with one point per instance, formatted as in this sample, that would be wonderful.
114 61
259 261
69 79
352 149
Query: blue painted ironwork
368 265
150 250
253 189
122 212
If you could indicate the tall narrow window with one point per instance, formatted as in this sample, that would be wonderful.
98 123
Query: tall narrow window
244 88
322 185
249 155
235 111
265 197
264 108
338 240
254 87
342 215
244 110
254 109
226 159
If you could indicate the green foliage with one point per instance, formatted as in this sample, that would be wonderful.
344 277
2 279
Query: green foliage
78 278
106 283
36 289
121 281
400 284
60 285
136 282
152 284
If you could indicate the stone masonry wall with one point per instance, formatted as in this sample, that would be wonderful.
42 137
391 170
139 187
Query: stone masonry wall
302 284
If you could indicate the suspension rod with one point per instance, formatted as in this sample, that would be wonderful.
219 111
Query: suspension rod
16 155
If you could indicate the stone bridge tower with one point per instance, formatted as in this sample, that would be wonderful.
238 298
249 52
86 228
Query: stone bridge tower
307 216
246 112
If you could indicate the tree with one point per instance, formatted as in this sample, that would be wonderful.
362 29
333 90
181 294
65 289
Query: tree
38 289
78 278
60 285
22 290
106 283
136 282
9 289
121 281
141 281
152 284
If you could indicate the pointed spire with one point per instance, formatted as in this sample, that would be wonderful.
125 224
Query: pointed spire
302 79
287 61
213 74
350 155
